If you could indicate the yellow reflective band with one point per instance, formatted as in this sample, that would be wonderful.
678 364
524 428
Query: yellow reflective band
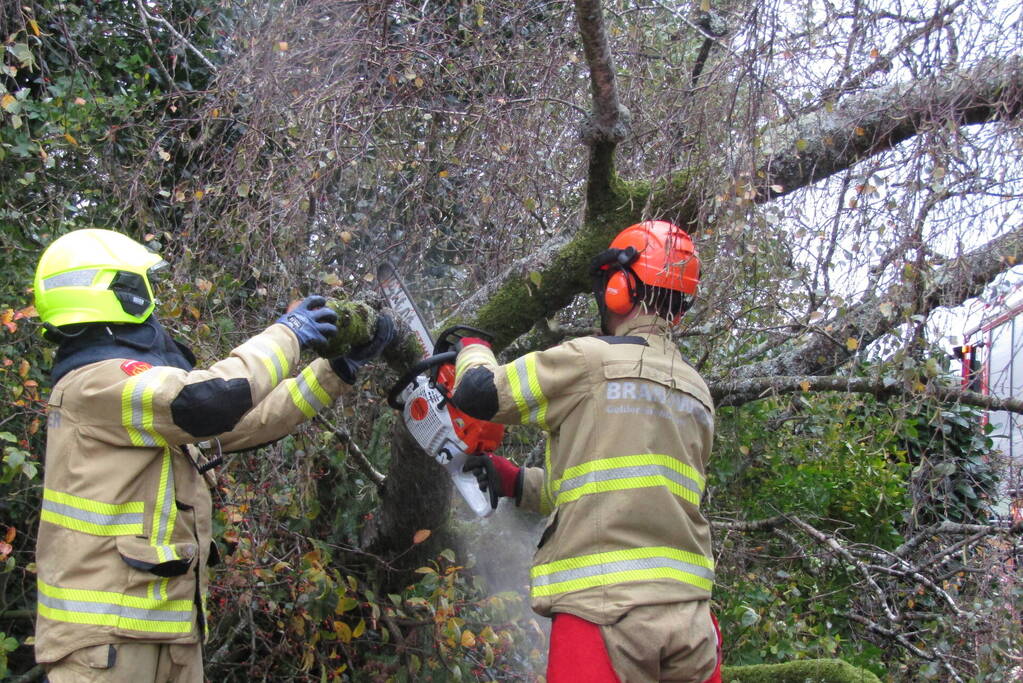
630 472
309 379
307 394
596 559
638 564
515 384
525 388
92 516
640 460
622 577
474 355
626 484
534 388
164 512
92 528
272 356
106 608
93 505
158 589
137 408
298 399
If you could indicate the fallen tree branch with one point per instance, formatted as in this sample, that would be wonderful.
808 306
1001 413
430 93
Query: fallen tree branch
738 392
844 553
356 454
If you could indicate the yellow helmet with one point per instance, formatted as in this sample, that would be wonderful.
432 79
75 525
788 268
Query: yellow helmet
91 276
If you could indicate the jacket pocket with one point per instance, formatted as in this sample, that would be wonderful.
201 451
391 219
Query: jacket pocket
620 372
159 560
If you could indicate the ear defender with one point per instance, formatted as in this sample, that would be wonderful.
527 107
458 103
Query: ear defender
620 292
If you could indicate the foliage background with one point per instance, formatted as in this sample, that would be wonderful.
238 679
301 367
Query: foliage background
274 149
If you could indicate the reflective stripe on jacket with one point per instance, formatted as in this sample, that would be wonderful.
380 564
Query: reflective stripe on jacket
630 426
125 529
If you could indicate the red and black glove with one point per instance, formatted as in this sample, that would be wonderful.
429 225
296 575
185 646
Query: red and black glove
496 474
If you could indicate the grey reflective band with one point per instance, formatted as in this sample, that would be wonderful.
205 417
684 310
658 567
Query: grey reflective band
533 402
622 566
118 610
302 382
72 278
138 408
97 518
269 355
629 473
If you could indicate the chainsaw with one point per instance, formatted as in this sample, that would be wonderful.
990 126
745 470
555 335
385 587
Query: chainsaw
423 396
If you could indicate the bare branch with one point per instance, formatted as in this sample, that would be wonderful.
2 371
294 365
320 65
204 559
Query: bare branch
742 391
821 144
867 321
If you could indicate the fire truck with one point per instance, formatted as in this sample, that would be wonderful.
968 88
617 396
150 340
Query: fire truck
992 364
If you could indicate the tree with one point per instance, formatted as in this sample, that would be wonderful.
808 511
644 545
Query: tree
847 170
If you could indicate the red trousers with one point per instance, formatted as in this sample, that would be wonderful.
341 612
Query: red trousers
577 653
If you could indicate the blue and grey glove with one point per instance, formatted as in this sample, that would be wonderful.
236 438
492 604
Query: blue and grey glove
348 365
311 321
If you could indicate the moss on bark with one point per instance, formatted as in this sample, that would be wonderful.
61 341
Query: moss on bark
526 298
806 671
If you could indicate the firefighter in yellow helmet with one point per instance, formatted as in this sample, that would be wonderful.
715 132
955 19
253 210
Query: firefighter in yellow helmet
132 436
624 566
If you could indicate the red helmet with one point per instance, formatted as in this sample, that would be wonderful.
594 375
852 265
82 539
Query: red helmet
656 254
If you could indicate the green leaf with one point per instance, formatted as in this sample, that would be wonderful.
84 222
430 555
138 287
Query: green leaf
23 54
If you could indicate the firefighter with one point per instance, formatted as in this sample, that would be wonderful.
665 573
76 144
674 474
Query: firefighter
624 566
133 433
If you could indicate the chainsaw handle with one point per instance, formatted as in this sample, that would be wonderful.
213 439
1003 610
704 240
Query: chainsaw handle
394 395
492 480
449 337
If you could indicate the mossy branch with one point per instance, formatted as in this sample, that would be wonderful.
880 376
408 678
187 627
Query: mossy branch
816 670
356 324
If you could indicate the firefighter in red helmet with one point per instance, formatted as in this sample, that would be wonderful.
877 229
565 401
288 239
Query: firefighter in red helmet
624 566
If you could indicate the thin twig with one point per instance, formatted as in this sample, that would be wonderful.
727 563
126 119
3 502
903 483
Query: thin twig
358 457
184 41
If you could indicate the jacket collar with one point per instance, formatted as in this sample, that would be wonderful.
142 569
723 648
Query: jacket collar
649 324
147 341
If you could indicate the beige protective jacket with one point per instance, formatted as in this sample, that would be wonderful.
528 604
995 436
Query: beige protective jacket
630 426
125 531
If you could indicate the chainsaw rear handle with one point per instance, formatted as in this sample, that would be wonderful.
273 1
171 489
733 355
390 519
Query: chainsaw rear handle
436 360
492 480
449 337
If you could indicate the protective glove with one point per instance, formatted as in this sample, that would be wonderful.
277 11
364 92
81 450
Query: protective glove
311 321
348 365
496 474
